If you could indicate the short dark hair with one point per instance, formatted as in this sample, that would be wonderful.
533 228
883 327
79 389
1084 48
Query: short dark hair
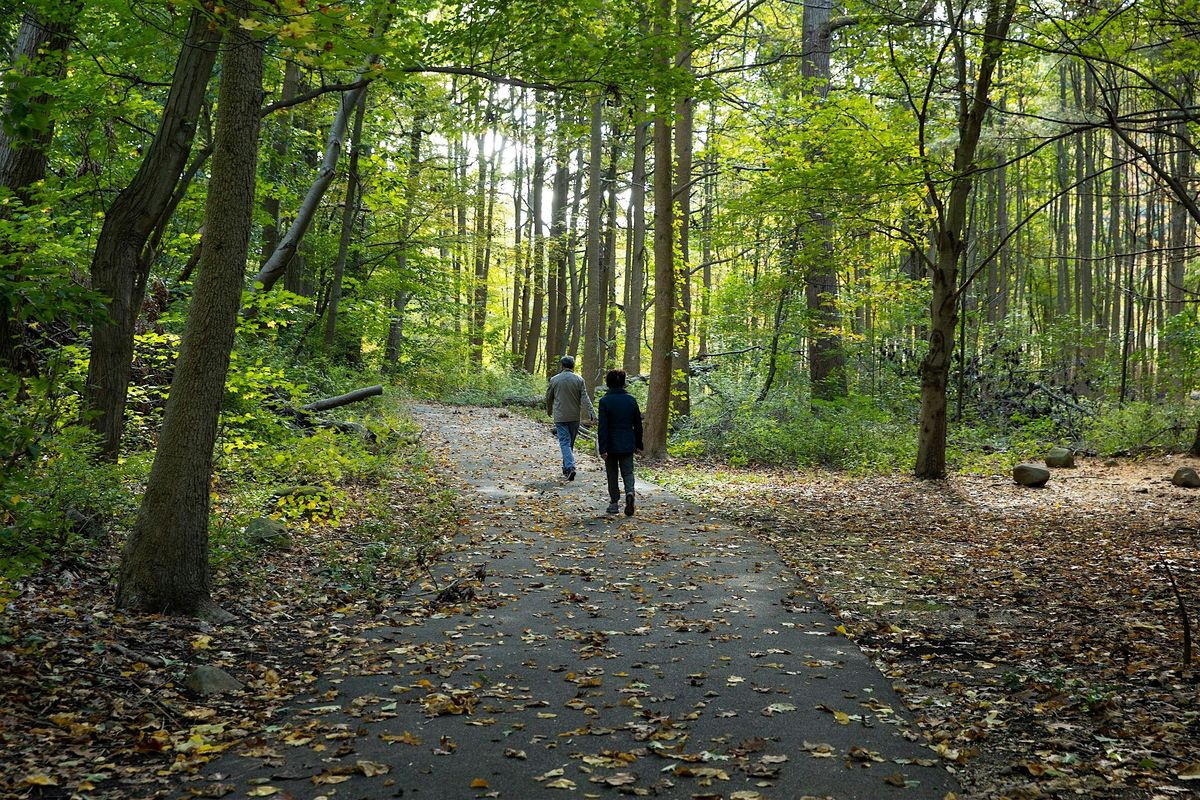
567 362
615 379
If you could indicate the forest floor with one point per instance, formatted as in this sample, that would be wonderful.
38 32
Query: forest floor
1035 632
532 646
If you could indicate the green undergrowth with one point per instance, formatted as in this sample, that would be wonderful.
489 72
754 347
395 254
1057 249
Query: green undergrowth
328 507
863 435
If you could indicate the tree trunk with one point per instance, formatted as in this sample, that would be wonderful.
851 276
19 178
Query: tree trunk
349 212
826 357
592 367
412 183
164 567
681 396
40 51
949 243
636 277
281 139
608 336
516 327
658 402
559 244
120 263
274 267
538 257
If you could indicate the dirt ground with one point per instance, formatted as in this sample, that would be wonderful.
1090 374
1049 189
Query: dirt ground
1035 631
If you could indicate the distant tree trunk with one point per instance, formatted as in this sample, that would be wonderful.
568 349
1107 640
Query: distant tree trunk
658 402
280 142
164 567
950 244
538 265
608 335
516 328
480 278
681 396
636 278
274 267
826 356
40 50
559 244
349 213
412 183
573 271
121 262
706 255
593 352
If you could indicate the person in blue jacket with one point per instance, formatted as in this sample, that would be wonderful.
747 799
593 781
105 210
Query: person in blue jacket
618 437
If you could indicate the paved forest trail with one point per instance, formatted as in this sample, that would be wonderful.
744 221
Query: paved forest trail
664 655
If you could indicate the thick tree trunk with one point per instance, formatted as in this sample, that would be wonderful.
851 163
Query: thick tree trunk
120 264
349 212
593 350
164 567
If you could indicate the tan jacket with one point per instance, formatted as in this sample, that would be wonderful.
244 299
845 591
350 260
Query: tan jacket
567 397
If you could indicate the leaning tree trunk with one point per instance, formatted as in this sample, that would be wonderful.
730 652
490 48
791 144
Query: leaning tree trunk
120 264
164 567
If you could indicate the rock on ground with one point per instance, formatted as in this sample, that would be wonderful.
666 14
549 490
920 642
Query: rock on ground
1030 475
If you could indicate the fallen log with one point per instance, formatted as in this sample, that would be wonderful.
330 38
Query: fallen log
344 399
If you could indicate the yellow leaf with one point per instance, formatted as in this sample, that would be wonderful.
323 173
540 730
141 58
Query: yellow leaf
204 642
479 783
262 791
39 779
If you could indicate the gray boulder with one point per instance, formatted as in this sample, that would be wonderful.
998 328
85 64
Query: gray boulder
267 532
1060 457
1031 475
1186 477
207 681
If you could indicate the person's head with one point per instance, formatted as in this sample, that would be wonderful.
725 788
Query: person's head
566 362
615 379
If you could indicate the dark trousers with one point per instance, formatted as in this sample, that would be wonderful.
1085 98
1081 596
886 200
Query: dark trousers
624 463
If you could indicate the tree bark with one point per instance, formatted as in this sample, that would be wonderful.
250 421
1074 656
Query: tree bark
658 401
538 239
949 243
559 244
274 267
826 357
412 184
164 567
681 397
349 212
280 140
592 367
636 277
120 264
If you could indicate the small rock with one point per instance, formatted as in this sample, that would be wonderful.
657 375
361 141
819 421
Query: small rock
1030 475
1060 457
267 532
1186 477
206 681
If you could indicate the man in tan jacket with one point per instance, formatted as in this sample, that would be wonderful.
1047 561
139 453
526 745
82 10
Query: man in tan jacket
566 399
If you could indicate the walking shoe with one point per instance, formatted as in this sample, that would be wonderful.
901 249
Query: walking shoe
571 474
614 508
629 505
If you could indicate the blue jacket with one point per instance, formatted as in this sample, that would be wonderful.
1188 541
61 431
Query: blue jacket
620 428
